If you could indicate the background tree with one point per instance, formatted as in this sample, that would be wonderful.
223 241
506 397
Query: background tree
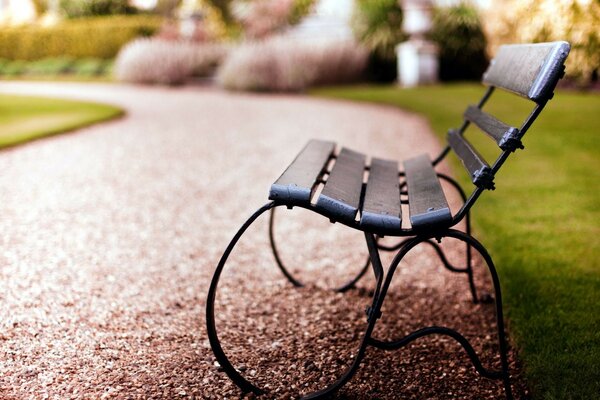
41 6
261 18
377 24
576 21
88 8
225 7
166 7
458 32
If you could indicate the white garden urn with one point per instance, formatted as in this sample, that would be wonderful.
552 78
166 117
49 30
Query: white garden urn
417 57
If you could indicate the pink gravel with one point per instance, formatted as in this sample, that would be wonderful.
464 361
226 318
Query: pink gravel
109 237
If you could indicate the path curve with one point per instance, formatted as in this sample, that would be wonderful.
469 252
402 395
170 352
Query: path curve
109 236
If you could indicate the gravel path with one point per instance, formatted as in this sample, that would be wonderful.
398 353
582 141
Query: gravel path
109 237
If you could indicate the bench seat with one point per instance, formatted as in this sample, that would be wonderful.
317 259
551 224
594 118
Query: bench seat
344 187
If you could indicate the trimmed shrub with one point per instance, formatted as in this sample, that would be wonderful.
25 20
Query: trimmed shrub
458 32
287 64
167 62
99 37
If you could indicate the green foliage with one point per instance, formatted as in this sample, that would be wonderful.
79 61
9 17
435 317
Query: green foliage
56 67
49 66
377 24
99 37
458 32
23 119
540 225
90 8
91 67
300 9
12 68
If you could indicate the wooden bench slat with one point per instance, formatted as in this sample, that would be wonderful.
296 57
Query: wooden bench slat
478 168
381 206
298 180
506 136
530 70
340 198
427 203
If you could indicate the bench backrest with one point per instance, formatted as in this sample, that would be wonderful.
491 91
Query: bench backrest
528 70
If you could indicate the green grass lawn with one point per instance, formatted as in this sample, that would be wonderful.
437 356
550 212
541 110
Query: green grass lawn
541 225
26 118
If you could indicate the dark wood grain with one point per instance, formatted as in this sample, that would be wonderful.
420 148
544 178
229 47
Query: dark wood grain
530 70
340 198
478 168
428 206
299 179
381 206
496 129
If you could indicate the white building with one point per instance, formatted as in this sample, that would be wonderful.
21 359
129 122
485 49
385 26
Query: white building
16 11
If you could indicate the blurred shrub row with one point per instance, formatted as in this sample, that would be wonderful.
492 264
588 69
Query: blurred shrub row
268 59
154 60
282 63
56 66
99 37
278 63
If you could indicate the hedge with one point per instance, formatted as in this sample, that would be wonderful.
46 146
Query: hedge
98 37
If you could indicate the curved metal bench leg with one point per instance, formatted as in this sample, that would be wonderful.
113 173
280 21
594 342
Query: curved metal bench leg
472 242
282 267
224 362
213 338
469 257
442 256
472 286
345 287
373 313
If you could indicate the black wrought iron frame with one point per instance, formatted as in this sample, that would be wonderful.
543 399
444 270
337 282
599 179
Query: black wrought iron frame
383 282
510 141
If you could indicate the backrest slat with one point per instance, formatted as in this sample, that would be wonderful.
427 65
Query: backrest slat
507 137
479 170
530 70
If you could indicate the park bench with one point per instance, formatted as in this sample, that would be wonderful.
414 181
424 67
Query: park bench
341 186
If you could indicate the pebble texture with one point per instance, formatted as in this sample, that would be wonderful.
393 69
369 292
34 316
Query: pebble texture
109 237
